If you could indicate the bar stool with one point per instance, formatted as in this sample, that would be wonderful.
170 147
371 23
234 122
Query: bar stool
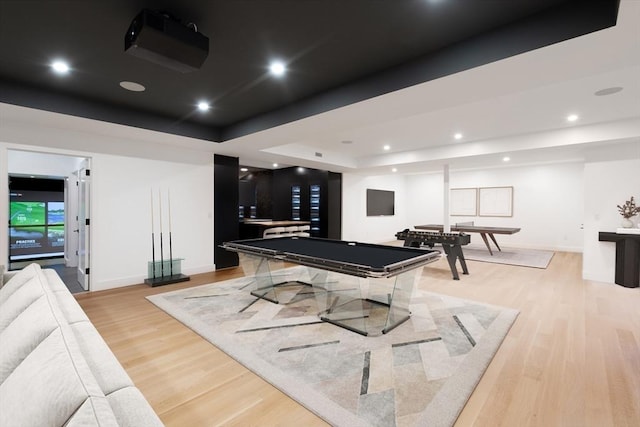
303 231
290 231
271 233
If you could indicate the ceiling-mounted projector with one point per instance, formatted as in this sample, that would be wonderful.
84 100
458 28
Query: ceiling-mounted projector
160 38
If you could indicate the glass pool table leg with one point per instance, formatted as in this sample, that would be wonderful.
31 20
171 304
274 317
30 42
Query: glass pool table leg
369 306
401 298
269 278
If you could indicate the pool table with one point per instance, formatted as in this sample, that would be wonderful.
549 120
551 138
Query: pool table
363 287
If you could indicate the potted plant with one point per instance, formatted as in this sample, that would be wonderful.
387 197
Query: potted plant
628 210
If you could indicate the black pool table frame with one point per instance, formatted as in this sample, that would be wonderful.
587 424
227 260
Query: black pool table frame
312 252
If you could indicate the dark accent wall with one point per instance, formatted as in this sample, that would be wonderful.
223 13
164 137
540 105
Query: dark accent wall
264 204
255 190
330 197
334 224
225 201
17 183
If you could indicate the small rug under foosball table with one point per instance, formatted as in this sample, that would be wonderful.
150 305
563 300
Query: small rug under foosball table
534 258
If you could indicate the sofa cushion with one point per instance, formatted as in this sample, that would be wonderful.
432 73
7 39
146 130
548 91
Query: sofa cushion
55 368
54 280
17 302
67 303
50 384
43 366
132 409
93 412
18 280
24 334
103 363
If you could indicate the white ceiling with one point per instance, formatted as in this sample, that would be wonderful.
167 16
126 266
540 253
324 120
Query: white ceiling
515 107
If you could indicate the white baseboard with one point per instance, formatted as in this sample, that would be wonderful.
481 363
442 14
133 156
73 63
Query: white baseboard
577 249
599 276
136 280
200 270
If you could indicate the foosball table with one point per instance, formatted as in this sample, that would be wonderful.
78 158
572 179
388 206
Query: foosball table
451 243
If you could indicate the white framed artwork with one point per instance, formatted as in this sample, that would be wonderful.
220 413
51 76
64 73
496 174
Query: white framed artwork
463 202
495 201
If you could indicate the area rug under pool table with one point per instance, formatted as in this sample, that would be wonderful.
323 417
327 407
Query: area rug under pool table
419 374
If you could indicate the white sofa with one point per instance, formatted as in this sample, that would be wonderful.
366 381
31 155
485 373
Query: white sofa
55 368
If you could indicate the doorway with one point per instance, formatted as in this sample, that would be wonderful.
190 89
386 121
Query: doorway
49 221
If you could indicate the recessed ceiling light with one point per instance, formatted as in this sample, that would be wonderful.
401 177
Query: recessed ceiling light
244 170
132 86
394 170
203 106
277 68
608 91
60 67
458 135
386 148
506 158
572 117
275 165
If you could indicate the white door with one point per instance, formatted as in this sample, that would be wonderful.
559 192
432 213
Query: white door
71 220
84 221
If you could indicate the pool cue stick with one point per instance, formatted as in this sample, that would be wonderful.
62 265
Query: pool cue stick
161 248
170 249
153 240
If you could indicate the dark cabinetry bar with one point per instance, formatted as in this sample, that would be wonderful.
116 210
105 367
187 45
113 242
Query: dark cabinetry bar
309 195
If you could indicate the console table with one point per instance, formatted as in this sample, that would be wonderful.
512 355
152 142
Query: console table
627 257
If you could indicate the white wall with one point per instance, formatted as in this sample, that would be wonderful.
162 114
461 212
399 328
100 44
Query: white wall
548 204
425 205
120 205
607 184
121 217
550 201
51 165
356 225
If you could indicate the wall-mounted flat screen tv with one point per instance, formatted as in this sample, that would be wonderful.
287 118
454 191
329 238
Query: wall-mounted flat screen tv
380 202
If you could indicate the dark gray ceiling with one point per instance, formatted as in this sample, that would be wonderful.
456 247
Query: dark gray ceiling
338 52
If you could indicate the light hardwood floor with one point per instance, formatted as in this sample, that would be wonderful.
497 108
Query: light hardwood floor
571 359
